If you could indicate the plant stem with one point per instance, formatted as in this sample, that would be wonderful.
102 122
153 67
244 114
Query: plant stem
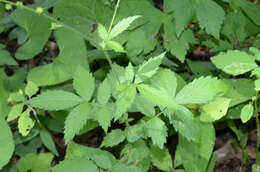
257 123
114 15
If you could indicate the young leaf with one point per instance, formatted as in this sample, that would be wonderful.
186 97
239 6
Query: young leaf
48 141
161 158
157 130
104 117
31 89
115 46
247 112
84 83
103 92
129 72
76 120
148 68
156 96
125 100
234 62
55 100
6 143
215 110
102 32
121 26
25 123
113 138
15 112
201 90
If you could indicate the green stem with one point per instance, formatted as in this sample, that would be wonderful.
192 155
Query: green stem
114 15
257 123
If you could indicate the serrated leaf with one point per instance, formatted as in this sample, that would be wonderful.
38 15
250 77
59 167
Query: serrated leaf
103 92
161 158
148 68
104 117
25 123
38 32
125 100
196 156
234 62
35 162
156 96
201 90
47 140
157 130
184 123
116 46
113 138
31 89
84 83
76 120
102 32
210 16
6 143
144 106
214 110
247 112
55 100
129 72
102 161
121 26
15 112
76 165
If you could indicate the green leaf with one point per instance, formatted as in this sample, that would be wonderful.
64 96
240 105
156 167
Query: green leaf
156 96
215 110
161 158
84 83
144 106
247 112
76 120
113 138
15 112
76 165
55 100
38 32
104 116
6 143
102 32
35 162
234 62
125 100
25 123
156 129
210 16
31 89
184 123
103 92
70 45
257 84
6 59
121 26
148 68
195 156
47 140
129 72
201 90
256 52
102 161
115 46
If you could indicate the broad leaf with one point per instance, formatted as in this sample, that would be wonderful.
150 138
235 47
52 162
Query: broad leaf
47 140
25 123
76 120
31 89
201 90
113 138
214 110
234 62
161 158
103 92
6 59
15 112
247 112
55 100
84 83
6 143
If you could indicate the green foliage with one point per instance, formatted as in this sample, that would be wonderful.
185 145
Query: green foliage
130 72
